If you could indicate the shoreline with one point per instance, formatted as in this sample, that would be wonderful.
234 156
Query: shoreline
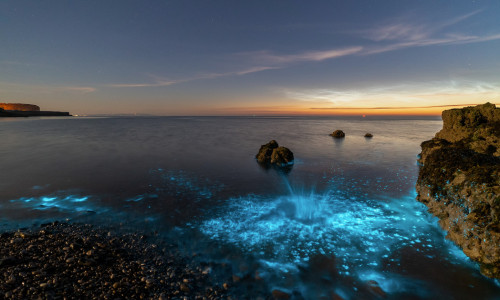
59 260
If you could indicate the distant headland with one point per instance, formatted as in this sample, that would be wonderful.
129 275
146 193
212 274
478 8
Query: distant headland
27 110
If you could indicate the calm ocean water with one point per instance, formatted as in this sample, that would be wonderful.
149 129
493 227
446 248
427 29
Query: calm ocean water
195 179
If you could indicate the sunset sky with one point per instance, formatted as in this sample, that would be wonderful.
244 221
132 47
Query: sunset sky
250 57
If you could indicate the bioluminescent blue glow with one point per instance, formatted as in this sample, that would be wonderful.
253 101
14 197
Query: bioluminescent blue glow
359 231
181 184
77 203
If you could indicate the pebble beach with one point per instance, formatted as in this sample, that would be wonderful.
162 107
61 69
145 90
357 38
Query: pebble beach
81 261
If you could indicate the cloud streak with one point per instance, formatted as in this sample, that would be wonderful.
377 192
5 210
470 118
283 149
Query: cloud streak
439 94
275 59
395 107
401 35
388 37
159 81
408 31
8 86
272 61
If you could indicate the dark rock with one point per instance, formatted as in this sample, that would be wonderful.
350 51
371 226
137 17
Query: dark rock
338 134
459 181
265 152
282 156
272 154
281 295
368 135
7 261
375 288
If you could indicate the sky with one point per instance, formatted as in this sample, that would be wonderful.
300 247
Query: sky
254 57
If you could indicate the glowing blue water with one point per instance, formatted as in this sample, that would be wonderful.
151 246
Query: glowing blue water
294 227
196 181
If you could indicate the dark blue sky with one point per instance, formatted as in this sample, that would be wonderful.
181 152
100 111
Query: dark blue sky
248 57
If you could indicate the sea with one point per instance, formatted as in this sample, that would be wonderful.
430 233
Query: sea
343 217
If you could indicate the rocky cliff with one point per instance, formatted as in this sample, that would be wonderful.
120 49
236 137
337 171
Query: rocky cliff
27 110
459 181
19 107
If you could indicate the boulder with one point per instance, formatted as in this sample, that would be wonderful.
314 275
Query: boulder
272 154
282 156
368 135
338 134
459 181
265 152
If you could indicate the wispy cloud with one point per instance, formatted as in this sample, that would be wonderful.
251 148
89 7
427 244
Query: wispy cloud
391 36
46 89
394 107
79 89
401 34
272 61
158 81
403 95
405 30
450 39
286 59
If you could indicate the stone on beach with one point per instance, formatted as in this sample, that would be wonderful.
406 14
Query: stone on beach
79 261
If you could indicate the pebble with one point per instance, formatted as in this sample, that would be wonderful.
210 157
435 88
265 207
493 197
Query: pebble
80 261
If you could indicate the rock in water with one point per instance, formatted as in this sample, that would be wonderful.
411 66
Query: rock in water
368 135
272 153
338 134
459 181
282 156
265 152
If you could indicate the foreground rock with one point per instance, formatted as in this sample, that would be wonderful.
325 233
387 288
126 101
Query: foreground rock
338 134
459 181
272 154
60 261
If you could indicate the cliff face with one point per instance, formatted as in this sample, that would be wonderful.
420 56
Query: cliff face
19 107
459 181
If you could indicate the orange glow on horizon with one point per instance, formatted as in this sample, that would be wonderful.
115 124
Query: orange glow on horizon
352 111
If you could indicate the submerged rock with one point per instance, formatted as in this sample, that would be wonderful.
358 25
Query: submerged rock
272 154
459 181
338 134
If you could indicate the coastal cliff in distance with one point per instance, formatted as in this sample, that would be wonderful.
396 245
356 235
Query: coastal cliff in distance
459 181
27 110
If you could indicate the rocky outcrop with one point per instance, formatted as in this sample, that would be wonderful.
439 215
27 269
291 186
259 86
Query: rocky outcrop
459 181
27 110
338 134
272 154
4 113
19 107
